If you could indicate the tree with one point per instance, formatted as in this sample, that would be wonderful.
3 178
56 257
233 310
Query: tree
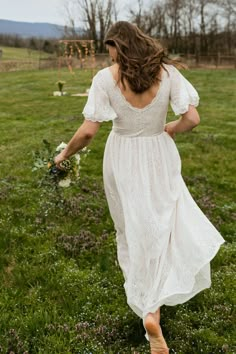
229 13
89 16
184 26
189 26
96 15
174 8
203 39
69 28
105 9
207 10
136 16
151 20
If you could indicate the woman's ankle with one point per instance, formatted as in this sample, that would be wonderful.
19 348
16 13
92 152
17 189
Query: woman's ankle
158 315
153 325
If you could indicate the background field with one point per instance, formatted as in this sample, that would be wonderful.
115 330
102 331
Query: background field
61 287
11 53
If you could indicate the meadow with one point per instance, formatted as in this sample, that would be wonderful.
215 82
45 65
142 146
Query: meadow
61 286
12 53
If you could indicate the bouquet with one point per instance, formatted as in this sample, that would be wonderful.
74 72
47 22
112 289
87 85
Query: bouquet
54 176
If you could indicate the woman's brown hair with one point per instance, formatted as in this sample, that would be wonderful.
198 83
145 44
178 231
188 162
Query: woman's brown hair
140 57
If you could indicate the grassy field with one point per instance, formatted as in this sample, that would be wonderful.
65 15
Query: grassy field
61 287
11 53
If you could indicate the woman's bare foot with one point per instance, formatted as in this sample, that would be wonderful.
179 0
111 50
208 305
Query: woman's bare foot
157 342
157 315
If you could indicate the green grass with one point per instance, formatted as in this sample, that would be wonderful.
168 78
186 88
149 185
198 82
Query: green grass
59 297
11 53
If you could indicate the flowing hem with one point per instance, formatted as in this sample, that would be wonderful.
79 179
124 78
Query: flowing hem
187 295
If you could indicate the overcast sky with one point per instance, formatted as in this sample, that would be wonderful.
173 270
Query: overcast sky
32 10
42 10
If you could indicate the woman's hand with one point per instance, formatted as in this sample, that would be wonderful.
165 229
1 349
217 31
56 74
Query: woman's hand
186 122
59 158
170 128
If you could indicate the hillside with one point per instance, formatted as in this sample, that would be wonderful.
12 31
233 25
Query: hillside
27 29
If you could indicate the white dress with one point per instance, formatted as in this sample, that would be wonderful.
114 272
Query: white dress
164 241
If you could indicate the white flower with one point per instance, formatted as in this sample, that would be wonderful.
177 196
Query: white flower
61 147
65 182
77 157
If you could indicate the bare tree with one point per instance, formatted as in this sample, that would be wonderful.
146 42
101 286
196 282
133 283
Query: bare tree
69 28
203 39
152 20
185 26
88 10
187 18
105 9
136 15
174 10
115 11
96 16
207 14
229 13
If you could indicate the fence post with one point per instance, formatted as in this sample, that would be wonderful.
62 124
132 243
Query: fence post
197 58
218 59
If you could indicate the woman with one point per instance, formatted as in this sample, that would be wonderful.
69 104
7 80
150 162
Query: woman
164 241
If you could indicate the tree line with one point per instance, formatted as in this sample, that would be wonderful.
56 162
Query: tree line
33 43
199 27
184 26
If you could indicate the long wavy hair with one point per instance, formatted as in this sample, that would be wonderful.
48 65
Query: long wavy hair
140 57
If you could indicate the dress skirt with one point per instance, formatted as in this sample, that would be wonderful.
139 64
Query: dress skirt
164 241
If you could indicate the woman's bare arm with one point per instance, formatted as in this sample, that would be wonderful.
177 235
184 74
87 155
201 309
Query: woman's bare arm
186 122
81 138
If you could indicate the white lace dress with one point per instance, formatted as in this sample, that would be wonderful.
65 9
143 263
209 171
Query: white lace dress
164 241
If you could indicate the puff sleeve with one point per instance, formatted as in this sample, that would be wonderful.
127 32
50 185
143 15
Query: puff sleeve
98 107
182 93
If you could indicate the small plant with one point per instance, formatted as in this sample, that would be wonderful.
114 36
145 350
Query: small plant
60 85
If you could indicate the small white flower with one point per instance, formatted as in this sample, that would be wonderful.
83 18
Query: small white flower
65 182
61 147
77 157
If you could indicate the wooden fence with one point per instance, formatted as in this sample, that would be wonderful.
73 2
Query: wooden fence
101 61
214 61
18 65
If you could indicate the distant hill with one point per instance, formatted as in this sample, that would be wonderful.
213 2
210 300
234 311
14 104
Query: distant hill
27 29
